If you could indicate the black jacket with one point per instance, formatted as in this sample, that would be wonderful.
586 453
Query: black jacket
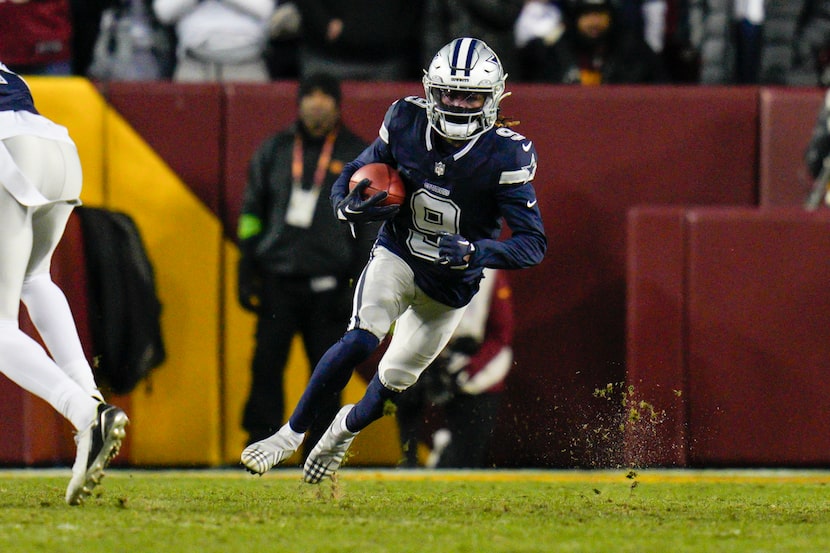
124 309
627 59
325 248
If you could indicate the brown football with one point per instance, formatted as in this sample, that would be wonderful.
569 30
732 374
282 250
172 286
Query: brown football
384 178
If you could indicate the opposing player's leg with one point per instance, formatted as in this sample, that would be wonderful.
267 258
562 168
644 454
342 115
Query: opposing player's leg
47 304
420 334
25 362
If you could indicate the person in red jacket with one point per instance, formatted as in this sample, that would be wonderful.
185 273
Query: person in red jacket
36 36
466 382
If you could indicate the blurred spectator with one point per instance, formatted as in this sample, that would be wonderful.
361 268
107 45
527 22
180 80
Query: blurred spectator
360 39
218 40
86 18
648 17
681 58
746 41
665 26
466 382
283 51
36 36
780 20
811 45
724 28
131 45
538 19
592 48
492 21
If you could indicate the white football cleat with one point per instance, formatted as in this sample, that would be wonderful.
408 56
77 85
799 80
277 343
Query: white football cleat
262 456
328 454
97 445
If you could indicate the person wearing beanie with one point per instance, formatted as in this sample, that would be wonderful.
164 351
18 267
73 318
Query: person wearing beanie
297 262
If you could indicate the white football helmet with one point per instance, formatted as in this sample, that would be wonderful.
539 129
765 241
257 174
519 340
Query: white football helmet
465 65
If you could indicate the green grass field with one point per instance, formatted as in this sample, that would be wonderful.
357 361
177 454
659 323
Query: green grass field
401 511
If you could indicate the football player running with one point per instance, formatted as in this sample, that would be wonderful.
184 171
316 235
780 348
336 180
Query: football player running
465 173
40 183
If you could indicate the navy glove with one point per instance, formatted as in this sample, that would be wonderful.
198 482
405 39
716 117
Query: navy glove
354 209
454 250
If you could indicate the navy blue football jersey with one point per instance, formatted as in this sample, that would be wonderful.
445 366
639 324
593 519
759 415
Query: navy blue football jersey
471 190
14 92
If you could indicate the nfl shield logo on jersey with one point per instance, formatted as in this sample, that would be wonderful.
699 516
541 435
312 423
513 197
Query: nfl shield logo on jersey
439 168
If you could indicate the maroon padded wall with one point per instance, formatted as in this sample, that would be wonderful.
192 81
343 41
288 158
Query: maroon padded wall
251 114
787 119
752 373
601 151
183 124
758 310
656 346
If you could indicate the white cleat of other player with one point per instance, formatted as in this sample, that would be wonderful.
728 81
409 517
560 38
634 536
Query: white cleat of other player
328 454
262 456
97 445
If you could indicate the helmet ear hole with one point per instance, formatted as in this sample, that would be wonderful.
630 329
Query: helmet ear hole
471 76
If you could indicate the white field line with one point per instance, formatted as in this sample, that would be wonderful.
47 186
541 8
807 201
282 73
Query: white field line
497 475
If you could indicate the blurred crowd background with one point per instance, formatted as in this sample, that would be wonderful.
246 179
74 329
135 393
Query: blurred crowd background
584 42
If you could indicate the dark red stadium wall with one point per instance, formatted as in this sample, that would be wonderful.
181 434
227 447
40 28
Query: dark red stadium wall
656 347
184 124
787 119
602 151
737 329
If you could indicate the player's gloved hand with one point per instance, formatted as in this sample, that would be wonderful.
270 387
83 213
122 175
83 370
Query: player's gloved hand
454 250
354 209
249 284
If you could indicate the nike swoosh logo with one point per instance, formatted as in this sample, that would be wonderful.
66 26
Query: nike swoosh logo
526 147
531 204
349 210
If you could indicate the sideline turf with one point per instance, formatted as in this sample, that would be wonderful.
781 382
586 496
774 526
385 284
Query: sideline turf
420 511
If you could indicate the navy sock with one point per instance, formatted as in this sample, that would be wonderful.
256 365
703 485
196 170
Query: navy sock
370 406
332 373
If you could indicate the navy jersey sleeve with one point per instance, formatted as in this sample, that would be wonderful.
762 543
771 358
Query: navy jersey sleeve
518 205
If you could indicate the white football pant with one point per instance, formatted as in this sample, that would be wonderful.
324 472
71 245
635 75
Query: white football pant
386 293
28 238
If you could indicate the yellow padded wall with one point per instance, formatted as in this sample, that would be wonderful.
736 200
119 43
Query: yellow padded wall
176 417
377 445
